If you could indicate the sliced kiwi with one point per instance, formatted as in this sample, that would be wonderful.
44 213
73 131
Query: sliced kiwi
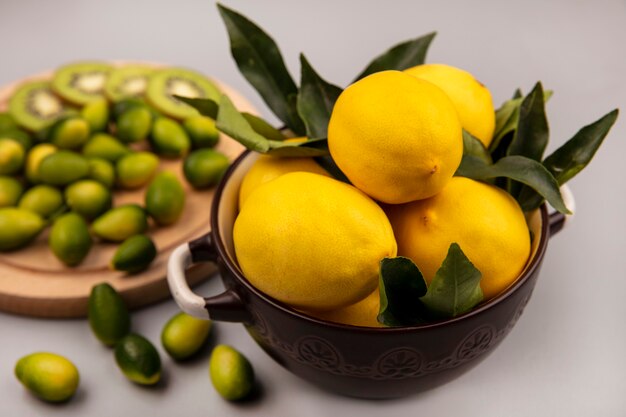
165 83
34 106
81 82
126 82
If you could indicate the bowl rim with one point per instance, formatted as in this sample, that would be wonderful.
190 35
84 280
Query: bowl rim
234 271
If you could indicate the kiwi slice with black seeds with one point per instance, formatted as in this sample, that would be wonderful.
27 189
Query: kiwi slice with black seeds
126 82
34 106
165 83
81 82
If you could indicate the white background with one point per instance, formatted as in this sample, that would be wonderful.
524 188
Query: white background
566 355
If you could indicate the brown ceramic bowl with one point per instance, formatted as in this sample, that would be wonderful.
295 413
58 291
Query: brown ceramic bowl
355 361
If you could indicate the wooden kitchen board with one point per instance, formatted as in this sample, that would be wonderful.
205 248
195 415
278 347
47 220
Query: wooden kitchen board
34 282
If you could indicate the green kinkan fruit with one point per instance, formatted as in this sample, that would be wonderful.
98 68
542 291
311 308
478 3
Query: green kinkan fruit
49 376
37 154
231 373
105 146
165 198
108 315
89 198
120 223
201 131
169 138
11 156
134 124
43 200
69 133
62 168
7 122
205 167
20 136
136 169
134 255
183 335
97 114
138 359
102 171
69 239
19 227
10 191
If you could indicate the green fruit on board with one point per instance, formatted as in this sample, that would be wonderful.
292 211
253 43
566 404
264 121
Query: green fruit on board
122 106
138 359
97 114
7 122
69 133
34 158
201 131
81 82
12 157
102 171
19 227
34 106
205 167
136 169
18 135
10 191
108 315
165 198
89 198
43 200
231 373
127 81
105 146
169 139
120 223
165 83
62 168
134 124
183 335
134 255
69 239
49 376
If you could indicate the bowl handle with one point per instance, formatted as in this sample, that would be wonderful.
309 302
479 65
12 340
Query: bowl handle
559 220
226 306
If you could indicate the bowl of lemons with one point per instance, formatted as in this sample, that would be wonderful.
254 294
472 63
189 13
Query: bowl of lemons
390 235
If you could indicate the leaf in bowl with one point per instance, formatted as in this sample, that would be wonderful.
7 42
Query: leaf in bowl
401 286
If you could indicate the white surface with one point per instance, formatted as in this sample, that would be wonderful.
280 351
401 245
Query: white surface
565 357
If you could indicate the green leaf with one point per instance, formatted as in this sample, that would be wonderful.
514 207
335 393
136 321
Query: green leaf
518 168
262 127
573 156
315 100
261 63
507 117
311 148
474 147
205 106
234 124
401 286
455 288
210 108
531 135
400 57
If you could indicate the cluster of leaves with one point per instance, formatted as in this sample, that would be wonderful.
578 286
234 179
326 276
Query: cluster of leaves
514 160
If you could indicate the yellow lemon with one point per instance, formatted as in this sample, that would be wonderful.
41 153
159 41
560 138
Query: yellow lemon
472 99
267 168
396 137
484 220
312 242
363 313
